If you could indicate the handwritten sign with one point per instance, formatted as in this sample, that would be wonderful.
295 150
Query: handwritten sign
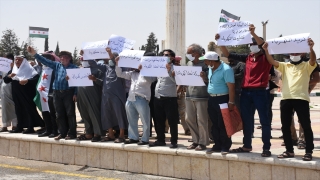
154 66
188 75
79 77
5 64
234 33
95 50
130 58
118 44
289 44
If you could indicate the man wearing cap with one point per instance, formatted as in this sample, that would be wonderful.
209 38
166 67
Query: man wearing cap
64 97
197 103
221 88
254 93
295 96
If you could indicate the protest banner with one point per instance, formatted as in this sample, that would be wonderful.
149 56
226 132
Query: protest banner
118 44
234 33
79 77
188 75
5 64
130 58
154 66
95 50
297 43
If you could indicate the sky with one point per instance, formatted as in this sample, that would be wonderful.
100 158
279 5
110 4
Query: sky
72 22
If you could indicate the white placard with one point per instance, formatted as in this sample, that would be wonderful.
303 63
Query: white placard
234 33
154 66
118 44
297 43
188 75
95 50
5 64
130 58
79 77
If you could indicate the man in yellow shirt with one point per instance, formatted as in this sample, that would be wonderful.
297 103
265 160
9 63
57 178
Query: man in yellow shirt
295 96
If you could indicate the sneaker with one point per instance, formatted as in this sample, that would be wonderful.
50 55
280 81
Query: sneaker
131 141
142 143
173 146
157 143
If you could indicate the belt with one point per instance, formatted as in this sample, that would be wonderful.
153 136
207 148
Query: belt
254 89
214 95
61 91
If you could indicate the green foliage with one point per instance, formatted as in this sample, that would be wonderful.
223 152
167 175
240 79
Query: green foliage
142 48
9 42
57 51
212 46
24 47
241 49
76 57
152 45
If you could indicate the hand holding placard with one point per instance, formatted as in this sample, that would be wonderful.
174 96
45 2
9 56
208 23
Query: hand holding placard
79 77
154 66
234 33
130 58
118 44
95 50
297 43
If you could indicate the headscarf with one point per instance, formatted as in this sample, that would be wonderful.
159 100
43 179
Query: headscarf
25 71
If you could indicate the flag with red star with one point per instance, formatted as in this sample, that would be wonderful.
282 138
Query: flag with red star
38 32
43 86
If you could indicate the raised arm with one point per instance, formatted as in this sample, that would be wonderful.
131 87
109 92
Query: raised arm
313 57
47 62
223 49
253 34
269 57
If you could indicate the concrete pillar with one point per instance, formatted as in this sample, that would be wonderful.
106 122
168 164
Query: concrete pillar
175 28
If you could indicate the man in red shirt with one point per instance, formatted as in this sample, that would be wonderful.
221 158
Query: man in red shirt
254 93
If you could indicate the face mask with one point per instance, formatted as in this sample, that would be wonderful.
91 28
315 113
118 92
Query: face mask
286 60
190 57
85 64
209 66
254 49
295 58
111 63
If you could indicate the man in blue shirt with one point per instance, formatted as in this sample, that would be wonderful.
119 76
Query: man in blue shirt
222 90
64 97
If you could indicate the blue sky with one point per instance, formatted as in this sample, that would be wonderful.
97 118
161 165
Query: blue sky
72 22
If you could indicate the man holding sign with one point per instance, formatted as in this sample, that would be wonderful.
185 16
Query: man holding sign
254 93
295 96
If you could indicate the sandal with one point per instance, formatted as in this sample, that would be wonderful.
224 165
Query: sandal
96 139
119 140
307 157
301 145
266 153
69 137
4 129
105 139
286 154
82 138
239 150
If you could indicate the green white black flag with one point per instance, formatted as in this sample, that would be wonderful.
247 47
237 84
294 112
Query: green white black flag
38 32
228 17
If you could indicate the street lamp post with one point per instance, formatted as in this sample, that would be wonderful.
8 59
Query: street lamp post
264 24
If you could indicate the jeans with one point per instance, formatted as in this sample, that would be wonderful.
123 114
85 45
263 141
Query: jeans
270 114
219 133
166 108
260 100
65 106
134 109
301 107
49 118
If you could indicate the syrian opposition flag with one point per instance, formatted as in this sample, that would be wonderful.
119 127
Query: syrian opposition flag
38 32
43 86
228 17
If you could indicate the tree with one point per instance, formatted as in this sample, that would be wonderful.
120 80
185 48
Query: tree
212 46
151 45
9 42
46 45
142 48
57 51
75 57
24 47
241 49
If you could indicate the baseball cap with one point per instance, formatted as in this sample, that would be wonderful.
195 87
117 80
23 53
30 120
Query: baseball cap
210 55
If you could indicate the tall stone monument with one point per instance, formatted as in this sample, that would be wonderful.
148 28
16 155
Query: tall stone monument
175 28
